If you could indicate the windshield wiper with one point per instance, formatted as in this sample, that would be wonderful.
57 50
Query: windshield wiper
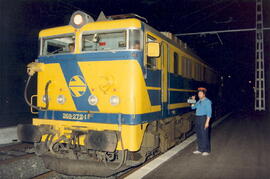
56 51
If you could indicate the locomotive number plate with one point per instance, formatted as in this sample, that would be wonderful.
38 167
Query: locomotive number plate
75 116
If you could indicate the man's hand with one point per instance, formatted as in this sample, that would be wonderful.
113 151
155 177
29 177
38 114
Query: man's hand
206 125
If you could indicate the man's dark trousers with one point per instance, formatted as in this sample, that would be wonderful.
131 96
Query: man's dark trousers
203 140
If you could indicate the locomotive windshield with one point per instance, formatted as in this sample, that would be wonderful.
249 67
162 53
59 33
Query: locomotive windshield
97 41
58 45
111 41
104 41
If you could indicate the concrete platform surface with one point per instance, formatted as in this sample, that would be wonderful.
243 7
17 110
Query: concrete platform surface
240 149
8 135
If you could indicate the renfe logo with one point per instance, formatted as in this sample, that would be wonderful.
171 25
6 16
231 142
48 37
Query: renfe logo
77 86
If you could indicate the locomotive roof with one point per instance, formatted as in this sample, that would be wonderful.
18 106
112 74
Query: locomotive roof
118 22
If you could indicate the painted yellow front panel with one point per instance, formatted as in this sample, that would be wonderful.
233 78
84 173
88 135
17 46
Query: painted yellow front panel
57 87
123 78
132 135
57 31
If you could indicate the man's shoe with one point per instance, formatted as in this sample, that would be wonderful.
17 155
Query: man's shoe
197 152
205 153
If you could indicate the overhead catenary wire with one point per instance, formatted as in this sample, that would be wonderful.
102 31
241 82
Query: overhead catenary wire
73 7
212 14
219 31
200 10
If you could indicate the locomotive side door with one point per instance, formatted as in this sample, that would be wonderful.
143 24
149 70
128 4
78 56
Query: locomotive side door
164 78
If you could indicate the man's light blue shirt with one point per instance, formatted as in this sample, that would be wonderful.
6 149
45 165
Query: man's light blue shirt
203 107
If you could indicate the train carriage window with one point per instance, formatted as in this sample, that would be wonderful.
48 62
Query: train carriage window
104 41
58 45
199 72
184 68
151 61
202 73
196 71
135 41
188 68
175 63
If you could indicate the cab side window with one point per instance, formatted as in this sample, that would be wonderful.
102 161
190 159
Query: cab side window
175 63
151 61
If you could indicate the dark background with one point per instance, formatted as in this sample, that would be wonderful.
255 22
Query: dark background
21 20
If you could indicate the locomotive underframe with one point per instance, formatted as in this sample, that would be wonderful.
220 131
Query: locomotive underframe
99 156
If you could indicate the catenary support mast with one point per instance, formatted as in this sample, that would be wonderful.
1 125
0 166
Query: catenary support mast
259 60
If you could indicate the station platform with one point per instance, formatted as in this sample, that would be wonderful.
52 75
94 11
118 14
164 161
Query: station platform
8 135
240 149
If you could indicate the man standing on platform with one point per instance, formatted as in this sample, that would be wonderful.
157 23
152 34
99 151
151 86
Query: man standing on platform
203 115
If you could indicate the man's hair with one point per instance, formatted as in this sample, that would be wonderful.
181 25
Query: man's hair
203 90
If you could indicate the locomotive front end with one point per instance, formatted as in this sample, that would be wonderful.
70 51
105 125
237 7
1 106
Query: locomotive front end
90 94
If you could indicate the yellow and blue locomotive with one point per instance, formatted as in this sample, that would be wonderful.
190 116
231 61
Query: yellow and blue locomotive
110 93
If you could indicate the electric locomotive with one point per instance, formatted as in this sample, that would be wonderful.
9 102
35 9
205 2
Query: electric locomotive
110 94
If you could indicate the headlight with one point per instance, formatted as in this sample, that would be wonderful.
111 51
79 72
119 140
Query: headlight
92 100
114 100
61 99
45 98
78 19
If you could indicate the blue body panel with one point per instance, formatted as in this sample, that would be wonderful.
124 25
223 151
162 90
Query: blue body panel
153 78
70 68
107 118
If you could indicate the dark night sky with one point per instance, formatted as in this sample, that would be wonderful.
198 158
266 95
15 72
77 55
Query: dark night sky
21 20
172 15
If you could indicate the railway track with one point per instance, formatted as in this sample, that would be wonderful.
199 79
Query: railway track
23 151
45 175
14 152
16 146
19 161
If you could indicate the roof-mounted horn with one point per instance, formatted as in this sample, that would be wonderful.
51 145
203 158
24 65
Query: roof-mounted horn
103 17
79 19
